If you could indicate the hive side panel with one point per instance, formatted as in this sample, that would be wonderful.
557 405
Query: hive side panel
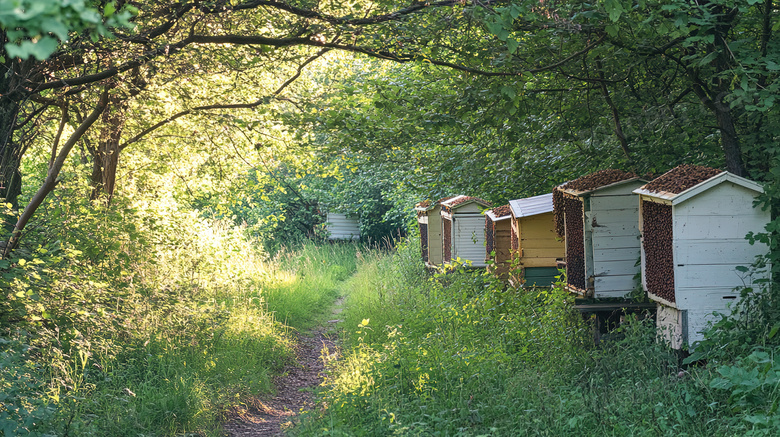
539 243
729 252
435 255
614 224
613 286
469 239
698 321
469 208
503 241
726 199
342 227
697 227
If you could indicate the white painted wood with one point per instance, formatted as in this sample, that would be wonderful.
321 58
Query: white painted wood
716 227
625 201
342 227
607 217
621 267
709 298
721 202
468 242
611 294
693 275
698 321
622 242
619 189
466 208
613 286
616 254
716 251
724 178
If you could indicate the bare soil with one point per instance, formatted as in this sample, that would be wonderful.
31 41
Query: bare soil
273 414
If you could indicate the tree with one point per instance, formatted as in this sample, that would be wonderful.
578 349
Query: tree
88 65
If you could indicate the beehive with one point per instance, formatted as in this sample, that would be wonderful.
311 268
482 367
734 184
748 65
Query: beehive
498 238
535 247
463 230
693 221
342 227
429 221
598 214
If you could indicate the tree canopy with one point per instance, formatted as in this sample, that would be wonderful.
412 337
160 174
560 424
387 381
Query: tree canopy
498 99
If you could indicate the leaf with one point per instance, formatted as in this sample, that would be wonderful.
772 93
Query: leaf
773 331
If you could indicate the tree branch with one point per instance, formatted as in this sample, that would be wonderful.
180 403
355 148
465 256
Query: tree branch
256 103
51 178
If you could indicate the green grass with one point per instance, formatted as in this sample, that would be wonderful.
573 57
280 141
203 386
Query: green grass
159 336
463 355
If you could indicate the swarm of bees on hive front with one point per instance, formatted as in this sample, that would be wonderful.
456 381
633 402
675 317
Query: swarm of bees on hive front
575 244
657 243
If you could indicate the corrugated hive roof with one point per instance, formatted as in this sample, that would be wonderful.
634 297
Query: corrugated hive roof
532 205
499 213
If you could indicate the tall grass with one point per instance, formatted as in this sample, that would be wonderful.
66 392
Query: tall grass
462 354
148 320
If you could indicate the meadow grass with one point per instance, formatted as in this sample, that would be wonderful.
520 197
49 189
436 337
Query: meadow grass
461 354
161 335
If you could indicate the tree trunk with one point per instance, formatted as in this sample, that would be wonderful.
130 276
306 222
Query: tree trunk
11 96
728 137
106 158
51 178
10 153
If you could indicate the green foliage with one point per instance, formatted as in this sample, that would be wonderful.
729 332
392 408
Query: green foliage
34 28
461 354
145 318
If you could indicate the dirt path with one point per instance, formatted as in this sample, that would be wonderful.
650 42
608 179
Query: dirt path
269 416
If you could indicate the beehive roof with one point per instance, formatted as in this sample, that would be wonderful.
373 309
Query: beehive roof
596 180
462 200
499 213
681 178
678 180
532 205
428 204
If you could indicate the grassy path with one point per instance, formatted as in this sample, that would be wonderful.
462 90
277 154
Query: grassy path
270 415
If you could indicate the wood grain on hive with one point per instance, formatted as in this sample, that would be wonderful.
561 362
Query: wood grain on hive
498 238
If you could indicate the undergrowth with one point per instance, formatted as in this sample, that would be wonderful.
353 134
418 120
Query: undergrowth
143 319
463 354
